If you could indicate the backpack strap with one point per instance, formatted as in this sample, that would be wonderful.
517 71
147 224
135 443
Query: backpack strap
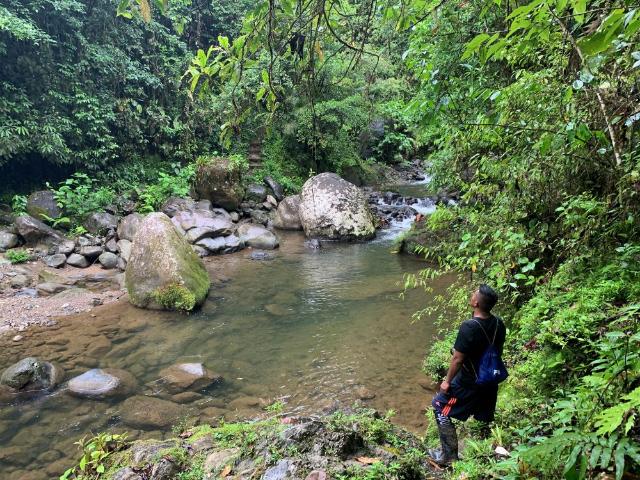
495 333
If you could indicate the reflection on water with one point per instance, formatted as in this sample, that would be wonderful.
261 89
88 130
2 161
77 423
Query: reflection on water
313 327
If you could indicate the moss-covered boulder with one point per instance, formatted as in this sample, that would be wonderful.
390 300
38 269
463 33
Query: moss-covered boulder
163 272
334 209
219 180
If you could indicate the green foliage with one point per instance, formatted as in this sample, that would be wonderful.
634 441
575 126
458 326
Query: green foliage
95 454
19 204
175 297
176 183
17 255
79 196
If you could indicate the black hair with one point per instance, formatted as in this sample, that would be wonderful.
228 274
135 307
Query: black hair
487 298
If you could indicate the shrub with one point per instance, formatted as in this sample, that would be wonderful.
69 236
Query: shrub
18 256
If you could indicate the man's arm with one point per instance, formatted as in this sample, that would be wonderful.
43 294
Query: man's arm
454 368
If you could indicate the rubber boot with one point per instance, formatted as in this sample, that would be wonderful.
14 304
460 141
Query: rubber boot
449 445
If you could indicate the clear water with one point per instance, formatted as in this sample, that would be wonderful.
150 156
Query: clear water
310 327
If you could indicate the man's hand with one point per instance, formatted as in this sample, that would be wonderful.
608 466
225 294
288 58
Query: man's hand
444 387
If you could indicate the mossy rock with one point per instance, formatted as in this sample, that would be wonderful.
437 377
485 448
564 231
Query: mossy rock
219 180
163 272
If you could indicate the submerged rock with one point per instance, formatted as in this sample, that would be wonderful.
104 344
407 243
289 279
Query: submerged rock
149 413
288 215
187 376
32 374
163 271
98 383
334 209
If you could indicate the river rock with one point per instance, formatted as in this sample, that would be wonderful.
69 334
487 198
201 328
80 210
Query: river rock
287 215
100 222
8 240
173 205
218 225
43 204
164 469
111 245
282 470
256 193
187 376
98 383
66 247
76 260
108 260
149 413
161 259
55 261
32 374
91 251
275 186
34 232
124 247
19 281
201 251
334 209
219 181
257 236
232 244
126 473
46 288
128 226
199 233
213 245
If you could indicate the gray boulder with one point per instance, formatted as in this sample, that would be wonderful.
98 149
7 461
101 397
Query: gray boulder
100 223
255 192
128 226
220 182
34 232
43 204
91 251
111 245
102 383
55 261
276 188
32 374
219 225
49 288
108 260
257 236
163 271
173 205
78 261
232 243
8 240
334 209
66 247
124 247
287 215
199 233
213 245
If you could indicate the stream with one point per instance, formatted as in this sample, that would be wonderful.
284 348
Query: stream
314 329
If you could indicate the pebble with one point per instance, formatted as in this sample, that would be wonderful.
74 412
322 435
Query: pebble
17 338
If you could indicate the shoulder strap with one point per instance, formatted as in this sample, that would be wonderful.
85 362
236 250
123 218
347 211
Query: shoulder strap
495 333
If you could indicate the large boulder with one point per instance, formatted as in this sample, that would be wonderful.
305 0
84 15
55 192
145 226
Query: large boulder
257 236
98 383
100 222
217 225
219 181
163 271
129 226
257 193
187 376
174 205
8 240
287 215
334 209
34 232
32 374
43 204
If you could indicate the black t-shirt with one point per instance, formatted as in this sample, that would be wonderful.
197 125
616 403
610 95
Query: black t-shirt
473 341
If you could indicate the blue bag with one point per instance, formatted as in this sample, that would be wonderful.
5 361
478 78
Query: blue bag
491 369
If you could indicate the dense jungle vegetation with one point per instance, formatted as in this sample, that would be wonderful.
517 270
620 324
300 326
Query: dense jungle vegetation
529 109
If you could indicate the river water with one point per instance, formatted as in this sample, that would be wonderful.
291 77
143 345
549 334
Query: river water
313 328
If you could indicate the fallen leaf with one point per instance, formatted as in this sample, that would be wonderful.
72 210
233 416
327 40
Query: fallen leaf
225 471
367 460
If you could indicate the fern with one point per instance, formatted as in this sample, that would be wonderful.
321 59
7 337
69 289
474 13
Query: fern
609 420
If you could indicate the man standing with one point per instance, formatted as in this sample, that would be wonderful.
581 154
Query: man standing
460 396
